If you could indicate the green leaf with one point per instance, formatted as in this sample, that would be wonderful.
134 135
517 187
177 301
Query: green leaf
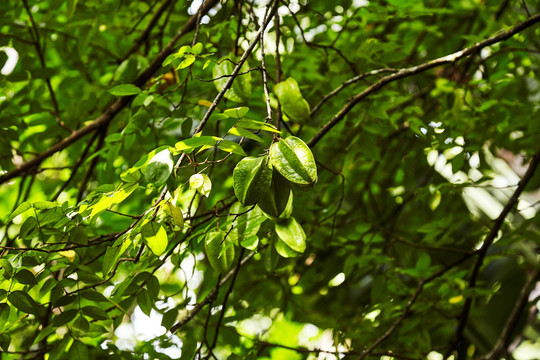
240 90
245 222
4 314
193 143
23 302
81 325
231 146
237 131
283 249
214 245
45 333
155 236
175 213
292 234
252 178
22 208
292 102
78 351
159 168
197 48
65 317
257 125
125 90
169 318
93 295
7 267
153 287
144 301
278 198
29 228
78 236
26 277
109 259
187 61
294 160
201 183
238 112
95 313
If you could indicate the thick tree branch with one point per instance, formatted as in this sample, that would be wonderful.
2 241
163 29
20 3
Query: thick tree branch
114 109
406 72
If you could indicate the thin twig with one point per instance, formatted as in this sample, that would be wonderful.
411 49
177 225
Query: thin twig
37 45
146 32
210 297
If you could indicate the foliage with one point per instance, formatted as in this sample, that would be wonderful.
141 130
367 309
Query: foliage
269 179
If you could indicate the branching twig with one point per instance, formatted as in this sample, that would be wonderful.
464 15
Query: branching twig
146 32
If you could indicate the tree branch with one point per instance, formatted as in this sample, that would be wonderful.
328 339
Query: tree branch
406 72
146 32
504 339
411 302
210 297
490 238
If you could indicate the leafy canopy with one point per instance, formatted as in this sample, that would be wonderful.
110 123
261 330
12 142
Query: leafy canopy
269 179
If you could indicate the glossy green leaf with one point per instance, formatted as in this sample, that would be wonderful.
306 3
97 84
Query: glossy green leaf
252 178
245 222
283 249
257 125
292 102
278 198
294 160
292 234
187 61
